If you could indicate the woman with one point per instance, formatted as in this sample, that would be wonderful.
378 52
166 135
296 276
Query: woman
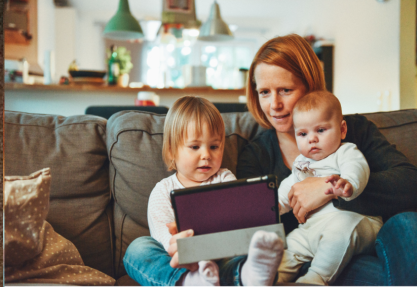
283 71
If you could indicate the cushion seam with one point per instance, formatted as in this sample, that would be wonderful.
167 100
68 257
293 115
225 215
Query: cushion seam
152 134
40 126
394 126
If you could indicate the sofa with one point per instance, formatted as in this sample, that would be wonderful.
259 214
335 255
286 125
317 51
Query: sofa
102 171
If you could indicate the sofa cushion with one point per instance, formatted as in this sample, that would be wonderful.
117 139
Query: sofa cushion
400 129
134 142
75 150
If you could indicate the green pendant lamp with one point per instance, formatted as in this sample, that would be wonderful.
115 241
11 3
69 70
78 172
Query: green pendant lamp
215 29
123 26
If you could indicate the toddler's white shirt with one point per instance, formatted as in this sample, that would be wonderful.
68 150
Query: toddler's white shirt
160 211
347 161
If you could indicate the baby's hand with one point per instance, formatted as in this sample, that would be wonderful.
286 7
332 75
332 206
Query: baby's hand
340 187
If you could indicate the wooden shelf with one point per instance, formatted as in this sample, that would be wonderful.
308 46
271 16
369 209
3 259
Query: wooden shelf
115 89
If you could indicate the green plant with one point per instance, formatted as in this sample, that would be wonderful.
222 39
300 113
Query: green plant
123 58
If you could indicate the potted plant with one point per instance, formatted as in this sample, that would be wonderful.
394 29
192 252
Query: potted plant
123 58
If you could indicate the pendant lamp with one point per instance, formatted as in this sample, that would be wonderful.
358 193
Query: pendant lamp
123 26
215 29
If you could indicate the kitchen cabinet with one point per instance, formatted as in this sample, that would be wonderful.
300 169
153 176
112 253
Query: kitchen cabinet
17 25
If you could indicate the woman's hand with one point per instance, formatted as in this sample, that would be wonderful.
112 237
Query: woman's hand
173 248
309 195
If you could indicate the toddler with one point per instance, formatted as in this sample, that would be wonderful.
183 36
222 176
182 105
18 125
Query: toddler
193 145
330 236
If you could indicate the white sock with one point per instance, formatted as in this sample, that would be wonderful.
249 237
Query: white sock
264 257
206 275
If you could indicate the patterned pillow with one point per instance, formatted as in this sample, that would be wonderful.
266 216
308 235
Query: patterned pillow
34 252
26 205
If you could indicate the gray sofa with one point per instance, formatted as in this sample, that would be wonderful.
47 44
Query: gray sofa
103 171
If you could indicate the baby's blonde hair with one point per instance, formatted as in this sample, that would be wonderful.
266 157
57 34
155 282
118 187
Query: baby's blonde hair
324 100
185 110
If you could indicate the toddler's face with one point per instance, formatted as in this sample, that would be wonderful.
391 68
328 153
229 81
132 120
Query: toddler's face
199 157
317 133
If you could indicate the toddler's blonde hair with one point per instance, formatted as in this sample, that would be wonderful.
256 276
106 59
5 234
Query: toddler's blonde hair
323 100
185 110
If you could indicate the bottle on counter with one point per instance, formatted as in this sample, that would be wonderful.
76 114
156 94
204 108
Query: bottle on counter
25 70
113 66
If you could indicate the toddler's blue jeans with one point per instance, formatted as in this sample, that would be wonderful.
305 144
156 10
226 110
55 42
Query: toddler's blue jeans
147 262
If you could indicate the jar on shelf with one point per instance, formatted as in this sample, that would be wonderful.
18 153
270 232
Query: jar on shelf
147 99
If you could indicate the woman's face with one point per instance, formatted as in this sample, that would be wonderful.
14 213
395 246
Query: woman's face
278 91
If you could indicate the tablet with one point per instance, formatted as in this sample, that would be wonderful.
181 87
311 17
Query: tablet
232 205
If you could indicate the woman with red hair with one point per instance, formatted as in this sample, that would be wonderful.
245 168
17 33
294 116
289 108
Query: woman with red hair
283 71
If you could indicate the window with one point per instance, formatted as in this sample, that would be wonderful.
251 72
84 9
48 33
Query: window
166 63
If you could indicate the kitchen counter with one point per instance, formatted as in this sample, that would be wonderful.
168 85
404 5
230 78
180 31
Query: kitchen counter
114 89
73 99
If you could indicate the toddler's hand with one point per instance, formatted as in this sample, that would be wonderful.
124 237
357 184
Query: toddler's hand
340 186
172 228
173 248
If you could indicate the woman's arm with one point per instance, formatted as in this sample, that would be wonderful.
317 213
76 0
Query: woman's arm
249 162
263 156
308 195
392 185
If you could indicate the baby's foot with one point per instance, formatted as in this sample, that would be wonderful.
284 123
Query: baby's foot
206 275
264 256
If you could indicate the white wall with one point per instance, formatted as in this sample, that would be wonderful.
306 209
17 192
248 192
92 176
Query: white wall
65 39
46 31
90 51
408 54
70 102
366 38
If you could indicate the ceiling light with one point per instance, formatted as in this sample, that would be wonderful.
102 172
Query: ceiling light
123 26
215 29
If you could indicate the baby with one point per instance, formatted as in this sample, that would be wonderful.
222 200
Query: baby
193 145
330 236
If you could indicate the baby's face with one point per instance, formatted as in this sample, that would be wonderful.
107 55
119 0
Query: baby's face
317 133
199 157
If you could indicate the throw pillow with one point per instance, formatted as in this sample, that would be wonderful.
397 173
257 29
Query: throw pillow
26 207
34 252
